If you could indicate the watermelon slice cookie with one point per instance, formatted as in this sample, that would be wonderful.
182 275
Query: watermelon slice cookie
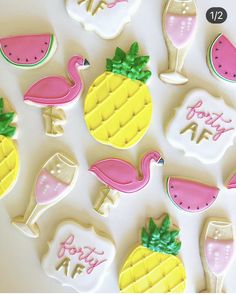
28 51
221 59
190 196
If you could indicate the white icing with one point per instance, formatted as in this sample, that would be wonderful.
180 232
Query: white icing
89 278
207 150
107 22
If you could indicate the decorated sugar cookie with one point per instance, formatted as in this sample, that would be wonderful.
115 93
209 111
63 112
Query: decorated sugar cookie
217 249
9 156
118 106
120 176
78 257
54 182
54 91
204 126
28 51
191 196
179 27
105 17
153 266
221 59
231 183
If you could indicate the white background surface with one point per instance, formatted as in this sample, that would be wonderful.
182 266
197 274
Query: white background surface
20 269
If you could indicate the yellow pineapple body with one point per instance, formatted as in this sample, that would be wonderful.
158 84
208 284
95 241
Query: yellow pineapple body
9 164
146 271
118 110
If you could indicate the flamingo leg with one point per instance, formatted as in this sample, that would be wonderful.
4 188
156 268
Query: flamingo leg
54 118
108 198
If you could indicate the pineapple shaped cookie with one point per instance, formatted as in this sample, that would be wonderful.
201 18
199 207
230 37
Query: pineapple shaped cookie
9 158
154 267
118 106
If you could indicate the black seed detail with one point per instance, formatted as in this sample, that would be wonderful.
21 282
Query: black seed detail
18 59
181 203
46 43
234 75
10 53
5 46
35 57
216 57
27 60
226 73
42 51
188 207
175 196
214 197
207 204
197 208
172 186
217 49
220 66
220 42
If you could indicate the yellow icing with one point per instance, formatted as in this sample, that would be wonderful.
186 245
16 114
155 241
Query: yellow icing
146 271
9 164
118 110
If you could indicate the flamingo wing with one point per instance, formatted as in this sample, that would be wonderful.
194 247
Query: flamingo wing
48 91
114 172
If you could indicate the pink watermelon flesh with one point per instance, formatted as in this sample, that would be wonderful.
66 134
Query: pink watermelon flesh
191 196
28 50
232 182
222 58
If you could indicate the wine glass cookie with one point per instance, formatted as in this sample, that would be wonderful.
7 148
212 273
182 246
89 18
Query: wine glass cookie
54 182
9 156
221 59
28 51
153 266
179 26
121 177
204 126
54 91
105 17
191 196
118 106
217 249
78 256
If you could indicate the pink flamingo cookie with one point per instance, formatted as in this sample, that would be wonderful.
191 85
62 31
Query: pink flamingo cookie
54 91
120 176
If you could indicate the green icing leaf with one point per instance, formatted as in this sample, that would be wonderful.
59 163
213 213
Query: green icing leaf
161 239
129 64
5 122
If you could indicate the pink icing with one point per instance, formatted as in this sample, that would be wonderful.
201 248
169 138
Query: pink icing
223 58
87 254
48 188
191 196
232 182
122 176
211 119
56 91
219 254
180 29
26 49
113 4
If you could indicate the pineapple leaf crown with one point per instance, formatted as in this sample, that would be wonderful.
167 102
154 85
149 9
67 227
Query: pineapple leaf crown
129 64
161 239
5 121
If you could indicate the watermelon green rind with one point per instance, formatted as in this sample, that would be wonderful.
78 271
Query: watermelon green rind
168 192
49 52
210 63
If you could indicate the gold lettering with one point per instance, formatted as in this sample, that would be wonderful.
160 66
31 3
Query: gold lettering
77 270
65 264
191 127
90 3
204 135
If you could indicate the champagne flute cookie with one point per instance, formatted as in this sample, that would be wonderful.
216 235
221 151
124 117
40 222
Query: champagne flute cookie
54 182
9 156
179 26
105 17
221 59
78 256
28 51
153 266
118 106
120 176
217 249
54 91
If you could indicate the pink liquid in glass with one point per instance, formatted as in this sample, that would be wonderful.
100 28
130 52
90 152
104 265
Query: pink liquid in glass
180 28
48 188
218 254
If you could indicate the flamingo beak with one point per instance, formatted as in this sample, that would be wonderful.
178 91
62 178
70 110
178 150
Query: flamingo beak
86 63
161 161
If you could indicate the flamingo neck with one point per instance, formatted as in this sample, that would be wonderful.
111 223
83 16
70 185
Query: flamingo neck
73 71
145 169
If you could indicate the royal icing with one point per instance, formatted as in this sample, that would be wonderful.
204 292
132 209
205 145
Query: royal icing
121 176
222 59
179 25
54 91
191 196
54 182
105 17
9 156
204 126
78 257
28 50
